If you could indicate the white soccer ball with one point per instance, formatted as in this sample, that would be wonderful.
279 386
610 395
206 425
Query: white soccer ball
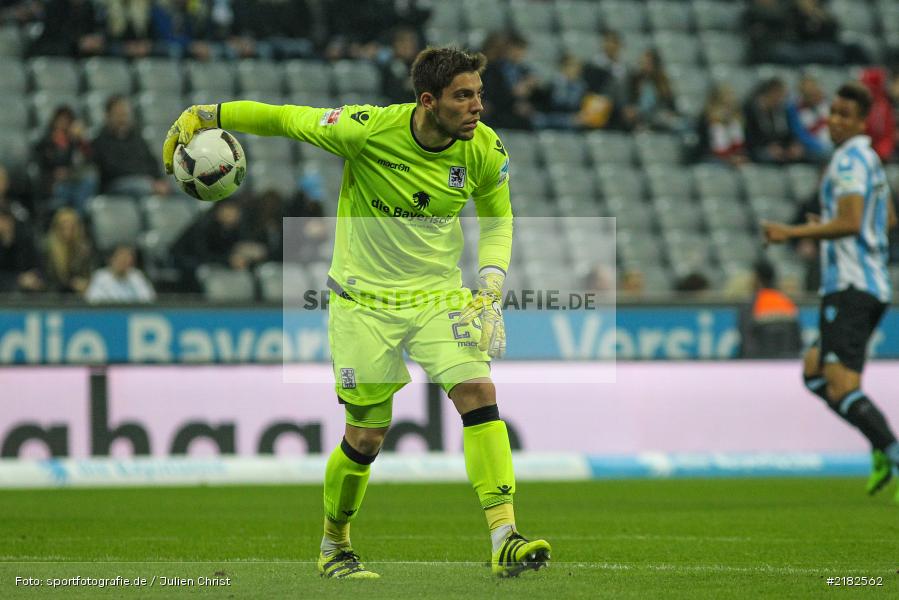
212 166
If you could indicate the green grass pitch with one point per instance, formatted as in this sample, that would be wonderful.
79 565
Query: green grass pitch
738 538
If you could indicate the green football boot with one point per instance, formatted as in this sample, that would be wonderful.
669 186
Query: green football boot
518 554
343 564
881 472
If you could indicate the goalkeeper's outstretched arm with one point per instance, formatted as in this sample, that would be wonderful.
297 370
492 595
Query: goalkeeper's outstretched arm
318 126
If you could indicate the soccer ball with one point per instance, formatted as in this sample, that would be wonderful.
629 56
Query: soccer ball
212 166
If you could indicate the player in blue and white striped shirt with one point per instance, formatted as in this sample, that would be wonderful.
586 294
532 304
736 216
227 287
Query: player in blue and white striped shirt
856 214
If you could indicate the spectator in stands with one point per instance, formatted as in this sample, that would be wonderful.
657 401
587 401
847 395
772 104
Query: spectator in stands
632 284
125 162
650 98
881 122
769 325
264 226
68 255
218 237
512 84
280 29
768 135
395 64
772 39
818 31
181 29
8 201
565 99
356 27
18 256
807 115
693 283
607 77
70 28
20 12
62 155
128 27
721 134
120 281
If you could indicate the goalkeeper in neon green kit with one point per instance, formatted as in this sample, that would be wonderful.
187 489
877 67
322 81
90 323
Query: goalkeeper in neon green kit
410 168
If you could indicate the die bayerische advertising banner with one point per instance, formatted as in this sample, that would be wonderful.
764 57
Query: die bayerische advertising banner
268 335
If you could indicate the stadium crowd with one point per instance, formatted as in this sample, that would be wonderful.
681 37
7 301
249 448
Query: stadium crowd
621 83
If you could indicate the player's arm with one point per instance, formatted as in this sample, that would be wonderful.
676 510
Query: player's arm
892 221
494 209
848 221
322 127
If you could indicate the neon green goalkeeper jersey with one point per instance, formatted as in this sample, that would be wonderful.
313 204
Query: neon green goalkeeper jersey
397 225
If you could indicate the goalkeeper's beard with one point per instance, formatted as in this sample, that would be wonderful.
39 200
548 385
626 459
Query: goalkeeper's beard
438 124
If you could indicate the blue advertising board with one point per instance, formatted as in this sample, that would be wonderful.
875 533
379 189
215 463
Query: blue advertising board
231 335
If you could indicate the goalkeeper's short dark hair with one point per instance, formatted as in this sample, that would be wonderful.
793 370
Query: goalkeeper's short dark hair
435 68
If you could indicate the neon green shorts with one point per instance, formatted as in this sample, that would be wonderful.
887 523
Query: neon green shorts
368 346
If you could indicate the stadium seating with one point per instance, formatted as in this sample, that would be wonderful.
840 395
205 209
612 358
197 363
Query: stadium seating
664 207
221 284
114 220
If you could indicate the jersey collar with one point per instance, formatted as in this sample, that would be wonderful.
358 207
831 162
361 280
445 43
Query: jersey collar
419 144
856 140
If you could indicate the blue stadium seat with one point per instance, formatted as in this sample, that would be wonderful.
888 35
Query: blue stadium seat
658 148
107 74
528 16
623 16
217 78
610 147
717 15
716 180
221 284
668 15
585 45
45 103
620 181
114 220
307 77
773 209
488 16
159 108
572 180
356 76
563 147
53 74
580 15
260 76
724 214
855 15
13 78
723 48
13 111
677 48
680 213
161 75
803 181
11 43
761 180
665 180
524 151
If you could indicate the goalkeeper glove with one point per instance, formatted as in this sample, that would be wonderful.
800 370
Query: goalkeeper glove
199 116
486 305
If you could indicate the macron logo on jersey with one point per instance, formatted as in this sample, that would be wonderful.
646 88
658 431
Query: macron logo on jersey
395 166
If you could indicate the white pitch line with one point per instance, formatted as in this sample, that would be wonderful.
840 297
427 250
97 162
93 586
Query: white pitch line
602 566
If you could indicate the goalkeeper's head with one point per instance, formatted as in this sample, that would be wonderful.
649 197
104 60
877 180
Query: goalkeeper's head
447 83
